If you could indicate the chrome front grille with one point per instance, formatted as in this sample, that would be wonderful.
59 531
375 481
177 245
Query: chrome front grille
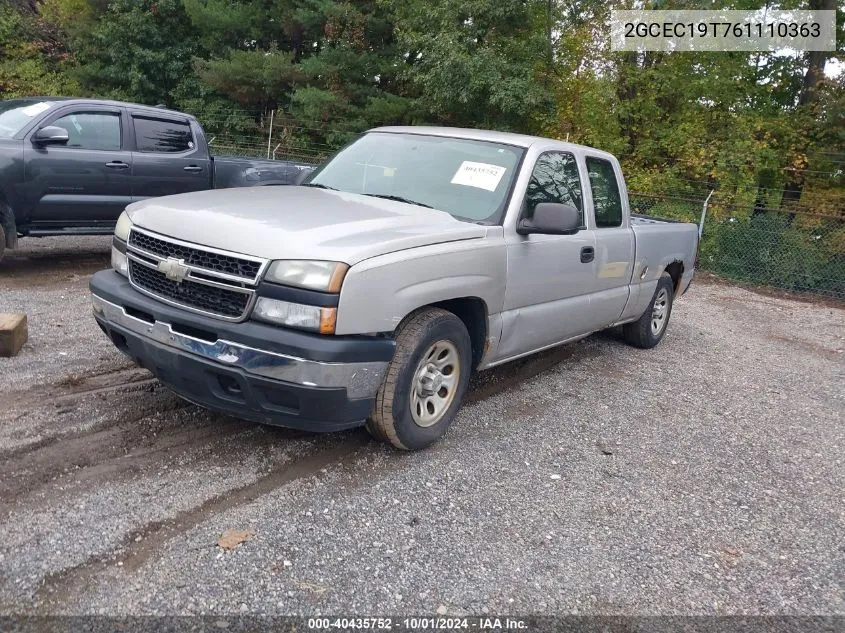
197 278
193 256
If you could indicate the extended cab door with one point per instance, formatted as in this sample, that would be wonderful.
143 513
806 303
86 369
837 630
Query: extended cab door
86 182
549 277
614 239
168 158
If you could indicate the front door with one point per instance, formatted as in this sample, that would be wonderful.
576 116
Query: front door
86 182
549 276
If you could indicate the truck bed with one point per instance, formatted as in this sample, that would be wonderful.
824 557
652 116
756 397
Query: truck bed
661 241
233 171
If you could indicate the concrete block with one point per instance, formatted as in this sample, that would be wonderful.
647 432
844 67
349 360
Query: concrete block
13 333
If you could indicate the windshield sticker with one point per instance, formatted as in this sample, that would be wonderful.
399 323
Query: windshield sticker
35 109
480 175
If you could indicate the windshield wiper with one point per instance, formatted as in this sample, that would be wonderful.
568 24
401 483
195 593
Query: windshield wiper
399 199
318 186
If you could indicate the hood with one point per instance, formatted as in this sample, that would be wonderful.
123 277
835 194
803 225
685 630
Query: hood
290 222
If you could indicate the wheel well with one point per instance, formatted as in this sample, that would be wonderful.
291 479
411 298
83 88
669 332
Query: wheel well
473 312
676 271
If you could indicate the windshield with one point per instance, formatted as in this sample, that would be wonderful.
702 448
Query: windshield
15 115
468 179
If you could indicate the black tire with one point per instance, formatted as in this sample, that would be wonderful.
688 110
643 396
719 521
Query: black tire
640 333
5 215
392 419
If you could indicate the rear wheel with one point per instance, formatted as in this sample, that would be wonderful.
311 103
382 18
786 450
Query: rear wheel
2 241
425 382
648 330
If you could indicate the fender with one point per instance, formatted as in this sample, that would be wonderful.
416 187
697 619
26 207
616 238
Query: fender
421 276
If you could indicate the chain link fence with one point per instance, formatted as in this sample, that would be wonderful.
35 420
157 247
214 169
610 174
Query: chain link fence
797 249
793 249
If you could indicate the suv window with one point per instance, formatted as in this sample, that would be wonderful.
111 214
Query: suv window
91 130
555 179
157 135
606 199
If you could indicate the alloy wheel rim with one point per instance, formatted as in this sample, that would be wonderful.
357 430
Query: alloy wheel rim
659 311
435 383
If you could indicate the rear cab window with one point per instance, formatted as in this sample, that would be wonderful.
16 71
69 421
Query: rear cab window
607 201
162 136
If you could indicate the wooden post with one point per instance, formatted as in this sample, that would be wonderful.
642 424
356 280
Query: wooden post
13 333
270 136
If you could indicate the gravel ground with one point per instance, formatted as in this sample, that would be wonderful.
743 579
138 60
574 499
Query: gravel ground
703 477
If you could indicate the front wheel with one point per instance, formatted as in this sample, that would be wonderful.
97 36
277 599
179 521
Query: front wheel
425 382
648 330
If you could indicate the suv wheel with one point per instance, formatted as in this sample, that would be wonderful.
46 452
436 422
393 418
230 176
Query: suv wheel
425 382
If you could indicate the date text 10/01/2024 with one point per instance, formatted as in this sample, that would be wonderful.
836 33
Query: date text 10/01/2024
419 624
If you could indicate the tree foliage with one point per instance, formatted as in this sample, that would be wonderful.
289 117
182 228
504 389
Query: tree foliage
460 54
751 124
138 50
33 59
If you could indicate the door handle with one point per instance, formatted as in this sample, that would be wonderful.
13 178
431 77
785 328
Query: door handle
193 168
116 164
588 253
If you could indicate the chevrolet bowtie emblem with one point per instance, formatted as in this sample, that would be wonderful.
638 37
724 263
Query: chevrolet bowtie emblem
174 269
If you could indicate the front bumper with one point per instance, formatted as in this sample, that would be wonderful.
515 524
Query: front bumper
248 370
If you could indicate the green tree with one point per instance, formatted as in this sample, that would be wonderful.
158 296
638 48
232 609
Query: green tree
33 58
476 63
138 50
352 81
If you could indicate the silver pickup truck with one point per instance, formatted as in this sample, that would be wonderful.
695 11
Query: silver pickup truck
368 295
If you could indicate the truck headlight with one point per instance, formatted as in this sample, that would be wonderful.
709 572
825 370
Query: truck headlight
296 315
119 261
313 275
124 224
118 249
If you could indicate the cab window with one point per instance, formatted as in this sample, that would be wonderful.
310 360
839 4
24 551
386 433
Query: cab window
607 202
160 136
555 179
91 130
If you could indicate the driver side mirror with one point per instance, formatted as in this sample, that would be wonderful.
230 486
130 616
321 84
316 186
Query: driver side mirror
50 135
551 218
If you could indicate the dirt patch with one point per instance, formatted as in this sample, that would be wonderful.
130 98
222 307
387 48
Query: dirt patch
145 542
108 451
807 345
50 269
705 277
511 375
77 385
